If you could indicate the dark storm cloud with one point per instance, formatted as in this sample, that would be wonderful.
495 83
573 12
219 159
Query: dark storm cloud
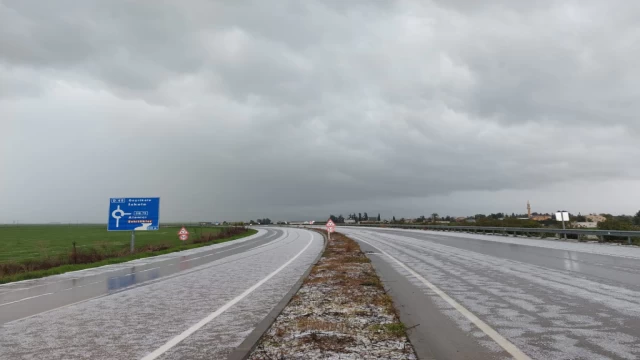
236 109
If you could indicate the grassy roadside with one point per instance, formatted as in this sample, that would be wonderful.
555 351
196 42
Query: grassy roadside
26 242
341 311
144 253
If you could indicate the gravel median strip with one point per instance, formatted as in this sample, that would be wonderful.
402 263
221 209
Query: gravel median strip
341 312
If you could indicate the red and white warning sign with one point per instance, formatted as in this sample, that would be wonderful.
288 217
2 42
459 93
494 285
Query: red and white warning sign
183 234
331 226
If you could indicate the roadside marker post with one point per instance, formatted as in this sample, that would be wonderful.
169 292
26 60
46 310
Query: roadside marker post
183 234
331 227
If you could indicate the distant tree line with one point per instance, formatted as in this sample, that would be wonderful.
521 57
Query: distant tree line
265 221
500 219
356 217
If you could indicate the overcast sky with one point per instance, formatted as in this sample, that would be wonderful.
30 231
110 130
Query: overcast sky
297 109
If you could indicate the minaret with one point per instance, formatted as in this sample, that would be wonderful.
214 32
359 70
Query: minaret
529 209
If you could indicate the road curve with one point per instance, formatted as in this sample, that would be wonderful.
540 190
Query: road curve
200 303
492 297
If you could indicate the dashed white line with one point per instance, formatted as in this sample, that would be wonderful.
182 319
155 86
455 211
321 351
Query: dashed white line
488 330
176 340
27 298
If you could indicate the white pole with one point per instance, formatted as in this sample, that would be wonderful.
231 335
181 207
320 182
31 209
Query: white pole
133 239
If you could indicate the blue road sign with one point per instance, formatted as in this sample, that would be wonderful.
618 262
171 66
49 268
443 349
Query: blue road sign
126 214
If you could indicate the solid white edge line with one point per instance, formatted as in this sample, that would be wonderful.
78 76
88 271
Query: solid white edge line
488 330
176 340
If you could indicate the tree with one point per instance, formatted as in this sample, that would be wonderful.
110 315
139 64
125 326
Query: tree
394 219
340 219
359 216
366 217
333 218
381 220
636 218
434 216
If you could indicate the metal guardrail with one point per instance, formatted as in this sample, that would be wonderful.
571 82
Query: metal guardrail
601 234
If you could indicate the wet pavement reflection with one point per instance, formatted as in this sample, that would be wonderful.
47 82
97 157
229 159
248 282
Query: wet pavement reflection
23 299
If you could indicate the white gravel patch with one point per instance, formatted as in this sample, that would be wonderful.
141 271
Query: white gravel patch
338 313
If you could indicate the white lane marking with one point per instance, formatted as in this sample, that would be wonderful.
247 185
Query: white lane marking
27 298
499 339
176 340
148 269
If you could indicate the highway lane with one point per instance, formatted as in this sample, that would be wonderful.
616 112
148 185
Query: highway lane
195 310
492 297
25 298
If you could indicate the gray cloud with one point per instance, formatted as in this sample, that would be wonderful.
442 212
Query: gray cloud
242 109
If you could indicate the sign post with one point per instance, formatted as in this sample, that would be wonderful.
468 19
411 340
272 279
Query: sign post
331 227
563 216
131 214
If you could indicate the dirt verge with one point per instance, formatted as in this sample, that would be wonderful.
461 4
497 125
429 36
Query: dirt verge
341 311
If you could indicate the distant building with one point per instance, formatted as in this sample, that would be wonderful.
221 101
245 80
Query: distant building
535 216
349 221
540 217
587 224
461 219
596 218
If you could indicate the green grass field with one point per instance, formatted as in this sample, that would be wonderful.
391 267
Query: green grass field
37 241
26 251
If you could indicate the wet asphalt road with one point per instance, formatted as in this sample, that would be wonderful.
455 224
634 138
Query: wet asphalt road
549 299
127 311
